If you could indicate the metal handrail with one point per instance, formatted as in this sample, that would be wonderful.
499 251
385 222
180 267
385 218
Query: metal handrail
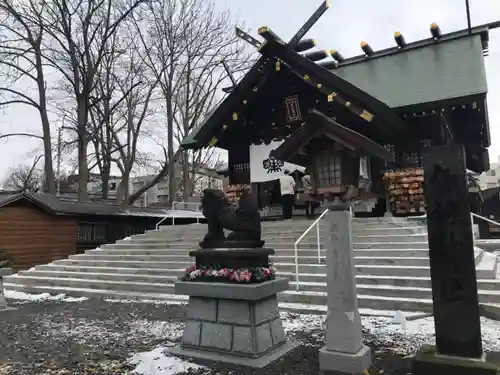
296 245
484 218
161 221
198 205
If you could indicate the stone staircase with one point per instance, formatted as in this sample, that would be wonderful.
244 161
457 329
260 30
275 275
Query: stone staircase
391 258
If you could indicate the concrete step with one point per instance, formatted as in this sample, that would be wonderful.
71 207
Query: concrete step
278 259
176 272
398 238
160 284
118 277
185 252
184 259
192 245
289 300
121 273
385 270
392 261
392 253
146 287
377 270
364 301
391 245
288 238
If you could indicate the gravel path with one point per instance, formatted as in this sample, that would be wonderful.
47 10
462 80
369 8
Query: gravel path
89 337
101 337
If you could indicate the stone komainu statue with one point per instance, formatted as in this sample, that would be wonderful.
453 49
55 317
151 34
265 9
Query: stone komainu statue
244 221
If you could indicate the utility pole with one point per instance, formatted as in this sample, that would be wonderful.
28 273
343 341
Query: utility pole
59 147
467 8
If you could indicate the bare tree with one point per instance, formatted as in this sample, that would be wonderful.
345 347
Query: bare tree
22 63
79 34
183 45
137 89
26 177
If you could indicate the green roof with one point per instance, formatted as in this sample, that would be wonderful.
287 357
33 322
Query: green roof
424 71
440 71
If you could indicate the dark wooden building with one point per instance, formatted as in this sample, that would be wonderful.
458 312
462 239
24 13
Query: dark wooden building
405 98
37 229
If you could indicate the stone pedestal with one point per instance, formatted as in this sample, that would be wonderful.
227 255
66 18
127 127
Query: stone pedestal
3 303
428 362
344 350
233 323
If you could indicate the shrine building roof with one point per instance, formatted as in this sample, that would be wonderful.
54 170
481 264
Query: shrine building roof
374 86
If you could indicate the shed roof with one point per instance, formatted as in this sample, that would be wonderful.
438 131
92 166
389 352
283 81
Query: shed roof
60 207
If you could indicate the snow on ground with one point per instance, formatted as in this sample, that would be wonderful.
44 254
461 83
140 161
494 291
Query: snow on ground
156 362
152 301
391 329
405 337
26 297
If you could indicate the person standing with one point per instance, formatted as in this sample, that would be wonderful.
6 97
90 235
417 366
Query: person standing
309 199
287 187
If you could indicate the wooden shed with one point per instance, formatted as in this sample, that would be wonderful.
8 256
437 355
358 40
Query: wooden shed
37 228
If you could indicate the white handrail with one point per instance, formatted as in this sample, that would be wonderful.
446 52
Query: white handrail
197 209
296 245
161 221
484 218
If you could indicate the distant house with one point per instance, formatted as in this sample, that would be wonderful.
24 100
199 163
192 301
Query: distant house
37 228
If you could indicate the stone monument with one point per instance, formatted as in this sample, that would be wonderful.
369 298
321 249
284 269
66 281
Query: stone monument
344 351
458 349
232 314
5 271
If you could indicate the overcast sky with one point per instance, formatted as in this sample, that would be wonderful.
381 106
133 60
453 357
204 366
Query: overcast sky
343 27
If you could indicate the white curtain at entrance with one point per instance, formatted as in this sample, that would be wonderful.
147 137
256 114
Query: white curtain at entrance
263 168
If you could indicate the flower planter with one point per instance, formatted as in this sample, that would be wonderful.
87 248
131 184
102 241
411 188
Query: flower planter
228 320
3 272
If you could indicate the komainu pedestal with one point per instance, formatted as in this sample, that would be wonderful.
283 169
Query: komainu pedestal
233 322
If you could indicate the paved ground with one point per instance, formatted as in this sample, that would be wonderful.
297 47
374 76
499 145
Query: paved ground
100 337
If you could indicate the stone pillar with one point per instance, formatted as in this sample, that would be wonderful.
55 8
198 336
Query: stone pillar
344 350
453 273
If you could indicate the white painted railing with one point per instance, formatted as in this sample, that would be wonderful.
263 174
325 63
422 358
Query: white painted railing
181 206
473 215
483 218
296 245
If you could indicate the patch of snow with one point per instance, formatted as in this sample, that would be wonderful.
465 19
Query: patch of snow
157 362
400 319
151 301
127 239
27 297
402 338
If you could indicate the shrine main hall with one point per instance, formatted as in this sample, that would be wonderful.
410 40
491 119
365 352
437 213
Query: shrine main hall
369 117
